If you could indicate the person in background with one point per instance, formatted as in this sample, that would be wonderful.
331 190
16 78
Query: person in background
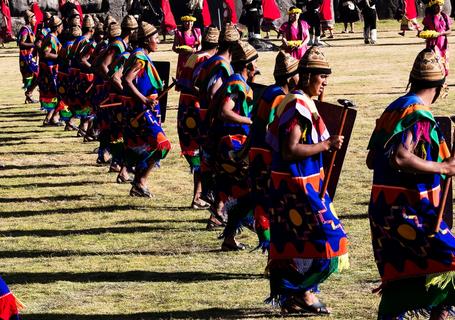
27 56
368 9
436 20
348 14
48 70
187 40
295 34
196 7
6 32
311 15
253 15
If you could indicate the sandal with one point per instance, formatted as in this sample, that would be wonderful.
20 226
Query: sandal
138 191
122 179
318 307
233 247
214 223
200 204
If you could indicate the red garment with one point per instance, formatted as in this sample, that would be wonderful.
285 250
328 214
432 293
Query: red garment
231 5
410 10
169 21
207 19
8 31
326 10
38 14
79 9
271 10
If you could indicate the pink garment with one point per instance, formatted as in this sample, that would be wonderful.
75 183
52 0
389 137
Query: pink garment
440 44
297 32
193 40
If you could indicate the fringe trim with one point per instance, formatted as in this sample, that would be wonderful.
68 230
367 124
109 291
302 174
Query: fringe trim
343 262
440 280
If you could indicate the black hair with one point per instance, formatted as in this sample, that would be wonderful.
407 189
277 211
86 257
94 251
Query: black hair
86 30
208 45
226 46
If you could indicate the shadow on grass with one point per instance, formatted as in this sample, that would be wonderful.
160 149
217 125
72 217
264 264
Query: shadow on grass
30 213
25 131
35 153
92 231
45 175
210 313
43 199
162 221
57 184
38 166
62 254
129 276
359 216
24 114
21 120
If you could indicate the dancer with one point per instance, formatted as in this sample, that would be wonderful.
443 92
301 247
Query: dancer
313 18
260 155
27 56
308 242
144 138
188 117
230 125
410 159
9 305
48 69
212 75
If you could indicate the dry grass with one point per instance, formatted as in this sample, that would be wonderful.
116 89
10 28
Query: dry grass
74 245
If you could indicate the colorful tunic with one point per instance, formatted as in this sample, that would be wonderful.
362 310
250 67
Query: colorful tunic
63 79
296 33
115 118
403 214
439 23
47 77
188 119
227 140
260 161
27 57
9 305
210 72
308 242
192 40
81 77
143 136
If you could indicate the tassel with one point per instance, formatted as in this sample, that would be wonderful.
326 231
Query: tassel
343 262
441 280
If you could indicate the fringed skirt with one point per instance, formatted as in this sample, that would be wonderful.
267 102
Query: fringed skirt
417 296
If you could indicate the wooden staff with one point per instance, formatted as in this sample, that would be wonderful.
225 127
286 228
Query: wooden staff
445 188
346 104
174 81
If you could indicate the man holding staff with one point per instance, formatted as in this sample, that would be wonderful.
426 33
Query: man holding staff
415 254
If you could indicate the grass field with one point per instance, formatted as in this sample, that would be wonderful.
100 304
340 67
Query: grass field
74 245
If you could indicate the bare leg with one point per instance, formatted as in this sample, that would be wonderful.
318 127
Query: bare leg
439 314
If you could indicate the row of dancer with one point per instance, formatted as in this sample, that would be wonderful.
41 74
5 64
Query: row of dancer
266 170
